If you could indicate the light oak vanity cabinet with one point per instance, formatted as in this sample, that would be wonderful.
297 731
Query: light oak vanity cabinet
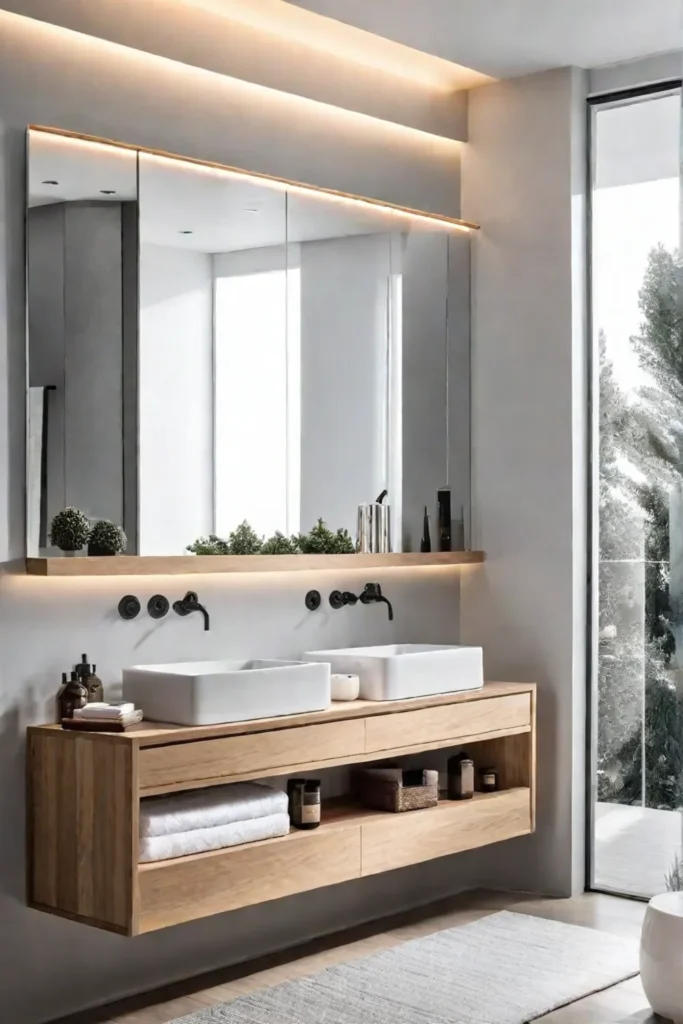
84 792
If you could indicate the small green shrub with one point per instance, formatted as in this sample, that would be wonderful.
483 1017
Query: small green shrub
211 545
106 538
278 544
245 541
70 529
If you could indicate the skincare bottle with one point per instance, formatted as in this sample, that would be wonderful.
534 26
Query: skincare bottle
426 543
90 680
444 500
71 696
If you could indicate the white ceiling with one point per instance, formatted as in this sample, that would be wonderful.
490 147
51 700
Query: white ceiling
506 38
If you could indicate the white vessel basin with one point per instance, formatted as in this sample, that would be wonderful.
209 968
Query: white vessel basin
398 671
210 692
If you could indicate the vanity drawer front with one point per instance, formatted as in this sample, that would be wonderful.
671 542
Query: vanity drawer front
449 722
205 762
451 827
211 883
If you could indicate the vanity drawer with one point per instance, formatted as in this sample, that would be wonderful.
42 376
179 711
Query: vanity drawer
451 827
206 762
450 722
188 888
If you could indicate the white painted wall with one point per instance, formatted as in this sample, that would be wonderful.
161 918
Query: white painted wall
524 177
209 39
176 399
51 77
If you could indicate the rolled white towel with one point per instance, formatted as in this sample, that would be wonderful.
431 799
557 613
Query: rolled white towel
200 840
208 808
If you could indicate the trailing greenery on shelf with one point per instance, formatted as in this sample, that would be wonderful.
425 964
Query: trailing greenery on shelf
211 545
70 530
322 541
245 541
278 544
106 538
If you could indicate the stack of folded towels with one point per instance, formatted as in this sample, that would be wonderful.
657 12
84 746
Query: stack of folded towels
210 819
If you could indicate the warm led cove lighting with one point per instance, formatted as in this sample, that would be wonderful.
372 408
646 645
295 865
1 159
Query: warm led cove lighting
282 184
347 42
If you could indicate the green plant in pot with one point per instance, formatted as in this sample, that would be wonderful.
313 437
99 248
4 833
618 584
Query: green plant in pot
278 544
322 541
70 530
245 541
106 538
211 545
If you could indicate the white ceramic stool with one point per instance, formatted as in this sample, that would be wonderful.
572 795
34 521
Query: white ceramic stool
661 955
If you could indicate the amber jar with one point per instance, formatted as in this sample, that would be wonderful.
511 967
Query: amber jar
488 778
304 803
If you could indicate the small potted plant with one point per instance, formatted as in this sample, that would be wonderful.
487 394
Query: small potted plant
211 545
106 538
70 530
322 541
278 544
245 541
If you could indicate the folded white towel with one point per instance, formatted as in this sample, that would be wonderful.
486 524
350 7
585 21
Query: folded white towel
100 709
207 808
199 840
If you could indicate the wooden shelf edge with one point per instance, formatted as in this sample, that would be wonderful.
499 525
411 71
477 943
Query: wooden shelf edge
344 815
335 762
183 565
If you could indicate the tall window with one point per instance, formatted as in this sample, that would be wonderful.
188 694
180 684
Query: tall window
637 663
257 401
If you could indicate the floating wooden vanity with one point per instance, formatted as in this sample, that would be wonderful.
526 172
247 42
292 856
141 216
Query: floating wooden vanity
84 792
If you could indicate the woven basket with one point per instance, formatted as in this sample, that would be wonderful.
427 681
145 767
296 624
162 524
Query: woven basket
383 789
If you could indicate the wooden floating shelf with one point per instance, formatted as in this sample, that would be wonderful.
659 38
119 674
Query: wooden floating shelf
84 792
183 565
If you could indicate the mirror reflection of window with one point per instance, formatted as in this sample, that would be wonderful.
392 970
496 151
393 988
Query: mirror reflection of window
257 392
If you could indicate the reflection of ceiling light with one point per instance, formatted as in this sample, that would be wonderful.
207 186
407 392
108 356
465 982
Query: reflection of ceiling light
107 192
186 232
50 183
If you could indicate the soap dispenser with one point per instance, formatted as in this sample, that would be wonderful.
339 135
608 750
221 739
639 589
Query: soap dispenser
90 680
72 695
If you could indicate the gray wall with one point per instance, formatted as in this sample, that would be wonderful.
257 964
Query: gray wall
523 178
50 77
76 328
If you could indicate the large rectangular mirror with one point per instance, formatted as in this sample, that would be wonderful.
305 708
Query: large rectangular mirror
208 347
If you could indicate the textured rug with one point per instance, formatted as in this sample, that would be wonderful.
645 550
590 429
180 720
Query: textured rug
503 969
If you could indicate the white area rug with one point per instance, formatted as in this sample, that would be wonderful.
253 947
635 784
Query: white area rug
504 969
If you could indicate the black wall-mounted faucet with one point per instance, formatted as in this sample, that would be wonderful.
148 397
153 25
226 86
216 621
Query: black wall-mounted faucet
190 603
372 594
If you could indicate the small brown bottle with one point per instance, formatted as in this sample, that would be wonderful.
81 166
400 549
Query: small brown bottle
71 696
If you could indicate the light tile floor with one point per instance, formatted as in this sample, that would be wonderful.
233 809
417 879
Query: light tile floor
624 1003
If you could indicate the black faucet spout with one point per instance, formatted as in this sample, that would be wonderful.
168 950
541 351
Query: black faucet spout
373 595
190 603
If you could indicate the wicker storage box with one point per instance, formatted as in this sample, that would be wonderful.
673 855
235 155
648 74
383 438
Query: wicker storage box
393 789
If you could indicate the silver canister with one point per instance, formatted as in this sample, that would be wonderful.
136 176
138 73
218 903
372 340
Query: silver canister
374 528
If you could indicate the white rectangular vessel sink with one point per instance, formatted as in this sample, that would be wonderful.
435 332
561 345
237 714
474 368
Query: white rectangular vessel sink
398 671
211 692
